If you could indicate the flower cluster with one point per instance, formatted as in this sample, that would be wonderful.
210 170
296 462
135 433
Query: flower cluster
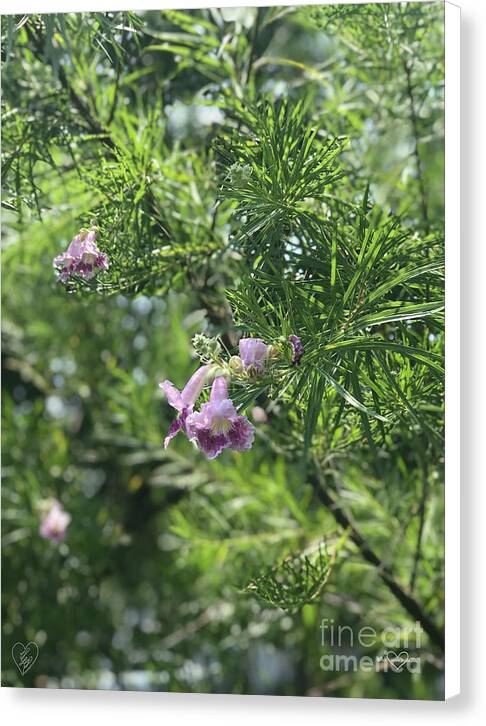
82 257
55 521
217 426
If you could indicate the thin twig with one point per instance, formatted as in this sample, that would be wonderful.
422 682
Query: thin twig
253 41
114 102
416 153
406 599
422 509
94 125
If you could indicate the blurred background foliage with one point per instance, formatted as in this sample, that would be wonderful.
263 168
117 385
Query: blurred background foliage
269 170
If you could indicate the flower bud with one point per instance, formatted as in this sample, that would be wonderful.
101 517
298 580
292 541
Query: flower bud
259 415
206 348
236 365
297 349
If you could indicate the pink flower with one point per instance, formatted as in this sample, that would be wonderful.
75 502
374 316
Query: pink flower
218 426
54 522
253 353
259 415
82 257
183 401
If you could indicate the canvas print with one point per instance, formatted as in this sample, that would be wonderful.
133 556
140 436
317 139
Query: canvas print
222 350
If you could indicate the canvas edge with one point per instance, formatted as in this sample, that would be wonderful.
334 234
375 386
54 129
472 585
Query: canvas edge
452 18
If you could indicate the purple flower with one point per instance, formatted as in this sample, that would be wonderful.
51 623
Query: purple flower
183 401
253 353
218 426
297 349
82 257
54 522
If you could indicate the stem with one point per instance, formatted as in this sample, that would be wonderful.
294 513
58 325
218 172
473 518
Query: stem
423 502
254 35
406 599
114 102
94 125
416 153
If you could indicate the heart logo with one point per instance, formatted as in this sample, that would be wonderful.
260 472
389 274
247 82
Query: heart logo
25 656
397 660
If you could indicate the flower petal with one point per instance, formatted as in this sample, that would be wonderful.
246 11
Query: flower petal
195 384
253 352
82 257
241 434
176 425
211 445
173 395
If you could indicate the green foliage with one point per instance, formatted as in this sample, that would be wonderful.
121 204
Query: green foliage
268 171
294 582
276 167
337 274
395 88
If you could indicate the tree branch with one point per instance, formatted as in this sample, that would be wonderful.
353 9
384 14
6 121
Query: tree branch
94 125
406 599
422 508
416 153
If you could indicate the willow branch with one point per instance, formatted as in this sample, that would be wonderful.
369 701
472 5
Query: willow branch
416 153
422 509
404 597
